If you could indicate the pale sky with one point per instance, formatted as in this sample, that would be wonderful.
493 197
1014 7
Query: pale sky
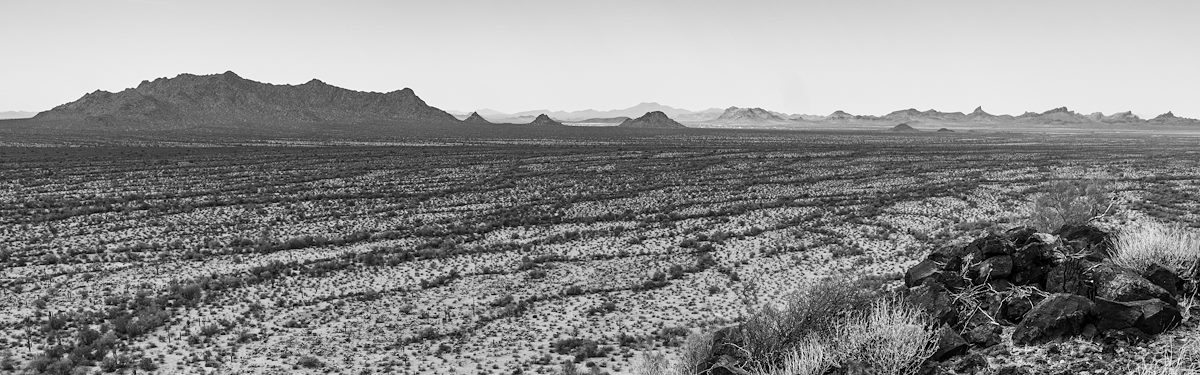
865 57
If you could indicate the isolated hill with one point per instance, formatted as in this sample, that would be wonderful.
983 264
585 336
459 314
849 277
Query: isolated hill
652 120
1170 119
750 115
543 120
944 130
189 100
475 118
903 128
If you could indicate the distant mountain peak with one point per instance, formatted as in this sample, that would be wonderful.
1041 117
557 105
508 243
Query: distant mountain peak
544 120
652 120
189 100
735 114
475 118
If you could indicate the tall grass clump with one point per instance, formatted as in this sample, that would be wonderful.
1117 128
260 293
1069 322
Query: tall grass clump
1171 246
895 338
1070 202
835 322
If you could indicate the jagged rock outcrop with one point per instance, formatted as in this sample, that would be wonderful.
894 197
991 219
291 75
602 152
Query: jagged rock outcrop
652 120
189 100
1049 286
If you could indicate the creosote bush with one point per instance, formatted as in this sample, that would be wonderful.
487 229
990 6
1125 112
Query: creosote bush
1070 202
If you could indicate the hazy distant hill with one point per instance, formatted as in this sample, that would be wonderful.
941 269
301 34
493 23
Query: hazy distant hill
187 101
16 114
592 116
652 120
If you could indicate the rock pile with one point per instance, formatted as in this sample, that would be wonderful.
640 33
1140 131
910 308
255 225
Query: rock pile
1046 286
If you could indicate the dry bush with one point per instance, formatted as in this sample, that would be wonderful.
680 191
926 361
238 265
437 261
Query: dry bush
894 338
653 364
812 357
813 311
696 349
1173 247
1070 202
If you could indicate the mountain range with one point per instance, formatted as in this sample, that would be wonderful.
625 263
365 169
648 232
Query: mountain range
7 115
229 102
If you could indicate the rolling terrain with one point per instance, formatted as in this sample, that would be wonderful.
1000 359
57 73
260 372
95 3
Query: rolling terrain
498 255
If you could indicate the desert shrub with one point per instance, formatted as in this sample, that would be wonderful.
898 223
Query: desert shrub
309 362
1173 247
696 349
652 364
1069 202
146 364
837 314
895 338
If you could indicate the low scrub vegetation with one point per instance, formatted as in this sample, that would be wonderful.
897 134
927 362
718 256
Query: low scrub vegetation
835 322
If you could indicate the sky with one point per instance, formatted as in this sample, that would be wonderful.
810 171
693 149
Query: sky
814 57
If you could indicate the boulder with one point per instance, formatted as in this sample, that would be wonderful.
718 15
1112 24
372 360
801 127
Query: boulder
996 267
1086 239
923 270
983 335
1123 285
1157 316
1022 236
949 344
936 301
1058 316
1164 278
1032 262
1014 309
1071 276
1113 315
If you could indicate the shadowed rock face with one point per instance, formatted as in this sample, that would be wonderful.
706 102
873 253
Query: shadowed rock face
189 100
652 120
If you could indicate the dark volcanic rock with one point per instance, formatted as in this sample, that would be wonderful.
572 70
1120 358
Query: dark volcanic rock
1087 239
1157 316
1164 278
903 128
652 120
949 344
1059 315
1123 285
923 270
1112 315
936 301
